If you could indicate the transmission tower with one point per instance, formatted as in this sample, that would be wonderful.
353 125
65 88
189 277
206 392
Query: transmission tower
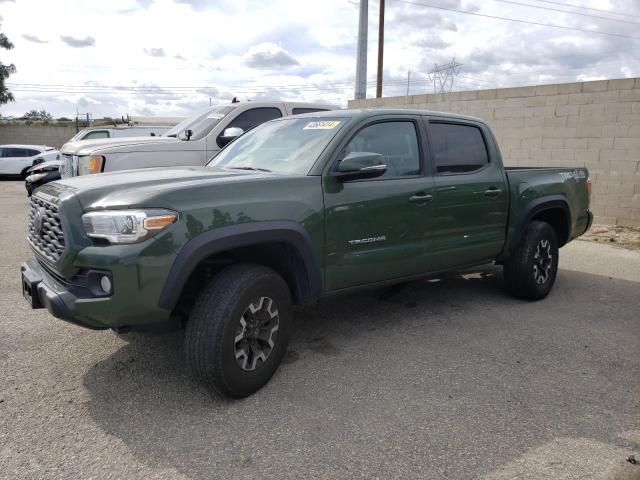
443 76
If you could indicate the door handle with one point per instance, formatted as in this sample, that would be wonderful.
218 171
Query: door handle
420 198
492 192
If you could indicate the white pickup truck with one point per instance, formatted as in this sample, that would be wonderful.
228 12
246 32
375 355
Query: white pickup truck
192 142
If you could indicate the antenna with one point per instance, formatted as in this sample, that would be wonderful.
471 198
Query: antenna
442 76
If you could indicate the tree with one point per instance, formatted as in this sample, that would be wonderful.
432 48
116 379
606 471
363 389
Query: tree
45 116
33 115
5 71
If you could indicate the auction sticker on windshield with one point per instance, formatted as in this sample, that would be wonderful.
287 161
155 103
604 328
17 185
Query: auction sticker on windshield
216 116
324 125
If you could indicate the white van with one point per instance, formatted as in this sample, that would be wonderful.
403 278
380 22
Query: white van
192 142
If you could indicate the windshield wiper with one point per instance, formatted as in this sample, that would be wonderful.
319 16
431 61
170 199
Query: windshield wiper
251 168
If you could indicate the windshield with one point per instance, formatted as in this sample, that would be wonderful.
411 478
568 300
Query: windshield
290 145
201 123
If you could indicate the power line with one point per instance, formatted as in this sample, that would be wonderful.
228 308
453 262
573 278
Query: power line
588 8
566 11
540 24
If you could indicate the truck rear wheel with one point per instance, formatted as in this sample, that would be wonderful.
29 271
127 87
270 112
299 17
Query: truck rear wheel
238 330
530 271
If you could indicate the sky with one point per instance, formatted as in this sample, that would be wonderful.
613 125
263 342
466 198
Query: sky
174 57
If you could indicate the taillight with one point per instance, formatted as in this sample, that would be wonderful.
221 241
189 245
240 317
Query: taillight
589 189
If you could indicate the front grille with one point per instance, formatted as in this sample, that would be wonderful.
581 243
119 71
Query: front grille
45 231
66 169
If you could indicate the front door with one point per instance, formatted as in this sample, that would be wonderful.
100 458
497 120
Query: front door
376 229
471 201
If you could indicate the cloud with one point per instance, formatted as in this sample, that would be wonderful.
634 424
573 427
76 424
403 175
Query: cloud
33 38
421 18
78 42
269 56
154 52
179 57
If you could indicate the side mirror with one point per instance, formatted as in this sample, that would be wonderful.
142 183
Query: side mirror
185 135
228 135
358 165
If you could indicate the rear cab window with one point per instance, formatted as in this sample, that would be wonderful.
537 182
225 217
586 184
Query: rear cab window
457 148
301 110
96 134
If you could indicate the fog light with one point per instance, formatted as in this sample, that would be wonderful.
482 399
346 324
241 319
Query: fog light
105 284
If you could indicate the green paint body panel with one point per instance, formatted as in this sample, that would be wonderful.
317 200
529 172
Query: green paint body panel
363 233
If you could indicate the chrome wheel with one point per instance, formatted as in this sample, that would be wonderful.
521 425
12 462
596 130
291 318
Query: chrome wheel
256 333
542 262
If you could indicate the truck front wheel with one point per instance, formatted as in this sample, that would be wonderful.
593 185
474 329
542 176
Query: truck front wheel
530 271
238 330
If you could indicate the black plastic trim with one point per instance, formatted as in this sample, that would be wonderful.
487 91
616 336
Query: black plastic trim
228 238
538 205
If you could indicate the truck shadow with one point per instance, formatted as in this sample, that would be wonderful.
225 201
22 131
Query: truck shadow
438 361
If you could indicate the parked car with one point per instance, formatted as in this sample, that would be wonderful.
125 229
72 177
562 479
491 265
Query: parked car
46 172
192 142
298 209
42 173
15 160
95 133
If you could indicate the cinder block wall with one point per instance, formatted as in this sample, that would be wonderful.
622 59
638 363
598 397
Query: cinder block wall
36 134
593 124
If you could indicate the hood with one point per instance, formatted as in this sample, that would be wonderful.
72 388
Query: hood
87 147
150 187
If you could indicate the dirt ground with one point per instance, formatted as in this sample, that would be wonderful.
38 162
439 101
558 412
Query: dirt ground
627 237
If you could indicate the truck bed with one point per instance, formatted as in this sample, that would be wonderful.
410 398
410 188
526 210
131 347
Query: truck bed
569 184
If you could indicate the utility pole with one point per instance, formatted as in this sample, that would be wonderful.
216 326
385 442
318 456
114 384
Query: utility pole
361 58
406 98
380 50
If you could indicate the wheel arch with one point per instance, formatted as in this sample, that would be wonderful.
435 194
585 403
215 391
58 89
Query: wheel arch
284 246
553 209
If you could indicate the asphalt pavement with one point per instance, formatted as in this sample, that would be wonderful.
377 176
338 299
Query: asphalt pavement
447 379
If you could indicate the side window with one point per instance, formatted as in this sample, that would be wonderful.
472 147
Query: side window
96 134
4 152
300 110
254 117
457 148
396 141
15 152
31 153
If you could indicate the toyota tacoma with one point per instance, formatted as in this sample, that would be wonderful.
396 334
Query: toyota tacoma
296 210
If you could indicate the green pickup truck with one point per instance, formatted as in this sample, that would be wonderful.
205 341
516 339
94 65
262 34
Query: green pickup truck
298 209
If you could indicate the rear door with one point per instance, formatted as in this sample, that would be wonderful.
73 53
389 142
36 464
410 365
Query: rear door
376 229
471 201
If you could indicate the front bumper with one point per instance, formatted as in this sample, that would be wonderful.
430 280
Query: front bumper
128 306
41 295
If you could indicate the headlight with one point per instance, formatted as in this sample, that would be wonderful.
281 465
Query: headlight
127 226
89 164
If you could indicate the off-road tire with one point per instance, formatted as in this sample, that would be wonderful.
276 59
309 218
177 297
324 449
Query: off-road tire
524 275
210 341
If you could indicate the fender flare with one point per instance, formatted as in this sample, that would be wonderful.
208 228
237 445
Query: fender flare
243 235
538 205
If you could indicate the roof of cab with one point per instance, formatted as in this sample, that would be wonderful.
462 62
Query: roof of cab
371 112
